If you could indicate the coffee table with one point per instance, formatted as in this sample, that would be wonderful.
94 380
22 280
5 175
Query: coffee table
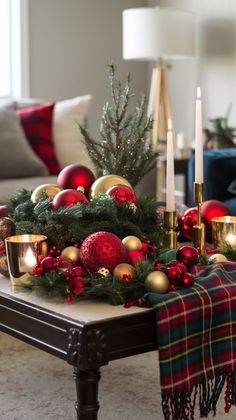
85 334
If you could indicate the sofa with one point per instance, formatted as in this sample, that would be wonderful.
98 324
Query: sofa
38 139
219 177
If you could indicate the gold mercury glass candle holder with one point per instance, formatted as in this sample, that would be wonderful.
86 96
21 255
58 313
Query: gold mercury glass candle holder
170 228
199 228
224 231
23 253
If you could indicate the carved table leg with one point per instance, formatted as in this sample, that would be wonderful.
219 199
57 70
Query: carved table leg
87 404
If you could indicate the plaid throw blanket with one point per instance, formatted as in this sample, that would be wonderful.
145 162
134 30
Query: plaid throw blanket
197 343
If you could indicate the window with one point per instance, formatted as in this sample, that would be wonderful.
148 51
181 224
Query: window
14 48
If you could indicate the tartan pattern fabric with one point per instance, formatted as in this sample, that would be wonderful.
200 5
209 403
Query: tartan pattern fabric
37 125
196 329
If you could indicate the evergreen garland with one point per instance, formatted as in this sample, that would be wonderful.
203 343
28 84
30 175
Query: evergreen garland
125 147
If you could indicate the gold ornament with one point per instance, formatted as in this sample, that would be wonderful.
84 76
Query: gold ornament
157 282
103 272
217 258
102 184
124 272
132 243
70 254
50 189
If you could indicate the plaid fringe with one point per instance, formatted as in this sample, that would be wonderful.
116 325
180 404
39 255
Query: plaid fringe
181 406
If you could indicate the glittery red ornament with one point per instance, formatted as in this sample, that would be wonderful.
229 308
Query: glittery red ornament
211 209
188 255
77 285
68 198
176 272
187 280
76 176
135 257
79 271
122 194
189 219
102 249
48 264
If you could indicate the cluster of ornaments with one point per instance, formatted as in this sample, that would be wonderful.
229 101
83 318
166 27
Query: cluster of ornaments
77 184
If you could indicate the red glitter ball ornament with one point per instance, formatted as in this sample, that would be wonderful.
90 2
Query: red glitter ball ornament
188 255
189 219
76 176
102 249
122 194
68 198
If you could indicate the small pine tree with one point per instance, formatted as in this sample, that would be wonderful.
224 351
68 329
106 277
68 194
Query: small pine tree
125 147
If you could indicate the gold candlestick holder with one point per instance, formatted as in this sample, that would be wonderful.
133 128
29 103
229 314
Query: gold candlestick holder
199 228
170 227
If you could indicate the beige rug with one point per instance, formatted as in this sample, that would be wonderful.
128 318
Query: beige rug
37 386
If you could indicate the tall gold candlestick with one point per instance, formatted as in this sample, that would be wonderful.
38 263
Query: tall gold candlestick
170 227
199 228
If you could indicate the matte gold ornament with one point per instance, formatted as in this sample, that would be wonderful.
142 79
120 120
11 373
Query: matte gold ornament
157 282
102 184
132 243
124 272
217 258
70 254
50 189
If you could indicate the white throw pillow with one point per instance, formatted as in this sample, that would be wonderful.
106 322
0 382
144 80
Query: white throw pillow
67 137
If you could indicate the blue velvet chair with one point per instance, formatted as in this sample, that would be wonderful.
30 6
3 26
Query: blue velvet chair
219 173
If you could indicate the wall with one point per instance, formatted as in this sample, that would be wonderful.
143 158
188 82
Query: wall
71 43
213 68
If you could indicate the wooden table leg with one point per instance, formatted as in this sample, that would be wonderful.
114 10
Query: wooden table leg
87 404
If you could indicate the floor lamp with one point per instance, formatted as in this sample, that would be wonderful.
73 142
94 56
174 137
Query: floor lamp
158 34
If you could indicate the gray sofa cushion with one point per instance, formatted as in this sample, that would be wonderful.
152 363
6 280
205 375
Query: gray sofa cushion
17 159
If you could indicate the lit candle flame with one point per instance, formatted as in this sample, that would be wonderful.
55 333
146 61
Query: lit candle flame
169 124
30 259
199 93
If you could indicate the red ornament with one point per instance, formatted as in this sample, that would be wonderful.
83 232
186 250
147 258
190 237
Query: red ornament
48 264
187 280
68 198
79 271
3 211
189 219
77 286
188 255
122 194
144 248
102 249
76 177
211 209
135 257
176 272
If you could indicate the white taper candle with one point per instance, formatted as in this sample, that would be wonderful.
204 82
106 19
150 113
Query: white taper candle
170 174
198 139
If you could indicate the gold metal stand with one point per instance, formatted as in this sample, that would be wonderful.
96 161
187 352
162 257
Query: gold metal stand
199 228
170 227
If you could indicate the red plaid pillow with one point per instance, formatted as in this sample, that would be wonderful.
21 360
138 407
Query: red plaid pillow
37 124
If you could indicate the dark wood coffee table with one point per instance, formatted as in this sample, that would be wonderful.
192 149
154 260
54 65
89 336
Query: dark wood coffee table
86 334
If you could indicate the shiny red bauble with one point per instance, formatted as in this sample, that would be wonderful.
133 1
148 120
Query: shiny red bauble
48 264
189 219
188 255
3 211
76 177
211 209
187 280
68 198
122 194
102 249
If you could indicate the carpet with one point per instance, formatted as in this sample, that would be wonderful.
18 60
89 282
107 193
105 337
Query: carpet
38 386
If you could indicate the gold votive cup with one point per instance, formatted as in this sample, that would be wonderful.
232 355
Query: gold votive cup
23 252
224 231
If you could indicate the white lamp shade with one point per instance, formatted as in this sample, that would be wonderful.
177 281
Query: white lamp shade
150 33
